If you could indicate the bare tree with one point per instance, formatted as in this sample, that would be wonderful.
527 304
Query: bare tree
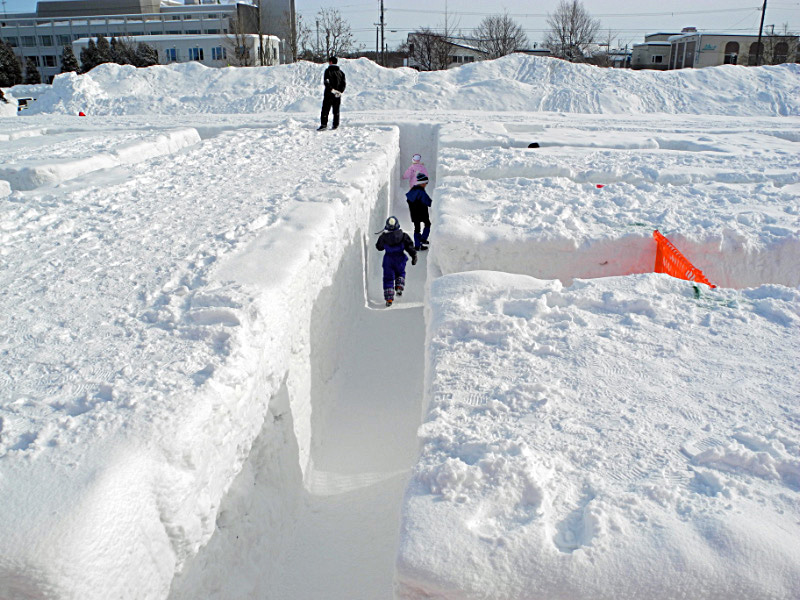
334 37
298 35
429 50
572 31
781 47
603 57
238 51
499 35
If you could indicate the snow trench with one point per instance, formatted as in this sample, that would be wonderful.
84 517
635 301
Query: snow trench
315 510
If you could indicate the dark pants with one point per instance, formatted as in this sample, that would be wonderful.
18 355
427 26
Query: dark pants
394 273
329 101
420 216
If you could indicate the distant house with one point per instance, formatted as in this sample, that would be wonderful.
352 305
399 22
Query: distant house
460 51
653 53
691 49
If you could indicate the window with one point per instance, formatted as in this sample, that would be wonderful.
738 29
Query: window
174 32
756 50
192 32
679 59
212 31
688 60
12 41
176 18
242 53
46 40
219 53
171 54
469 59
781 53
212 16
64 40
274 53
731 53
195 54
28 41
50 61
657 59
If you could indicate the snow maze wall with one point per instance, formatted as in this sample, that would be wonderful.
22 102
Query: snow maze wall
323 429
497 206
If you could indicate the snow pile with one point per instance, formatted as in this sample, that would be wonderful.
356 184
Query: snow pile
605 441
148 317
513 83
46 160
734 212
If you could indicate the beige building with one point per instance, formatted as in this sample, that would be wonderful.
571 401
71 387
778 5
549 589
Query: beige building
695 50
653 53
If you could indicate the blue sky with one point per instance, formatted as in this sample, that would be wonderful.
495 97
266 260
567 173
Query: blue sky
627 21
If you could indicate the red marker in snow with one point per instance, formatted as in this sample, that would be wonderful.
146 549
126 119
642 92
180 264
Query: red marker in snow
81 114
601 185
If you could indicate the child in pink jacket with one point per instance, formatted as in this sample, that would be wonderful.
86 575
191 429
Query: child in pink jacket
415 168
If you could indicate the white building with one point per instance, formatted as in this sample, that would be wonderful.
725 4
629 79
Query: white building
459 50
43 34
211 50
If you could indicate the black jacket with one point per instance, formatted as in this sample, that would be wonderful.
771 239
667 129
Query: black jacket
396 241
334 79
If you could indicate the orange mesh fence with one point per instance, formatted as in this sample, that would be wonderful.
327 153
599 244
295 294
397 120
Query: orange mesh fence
669 260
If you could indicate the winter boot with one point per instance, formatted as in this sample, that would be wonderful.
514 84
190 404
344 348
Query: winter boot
399 285
388 303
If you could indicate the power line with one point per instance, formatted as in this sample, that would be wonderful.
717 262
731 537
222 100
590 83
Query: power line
626 14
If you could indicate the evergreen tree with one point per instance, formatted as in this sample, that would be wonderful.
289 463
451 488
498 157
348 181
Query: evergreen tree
89 57
104 53
69 64
146 56
10 69
122 53
32 75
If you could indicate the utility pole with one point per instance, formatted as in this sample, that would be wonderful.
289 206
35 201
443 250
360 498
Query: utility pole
760 29
317 35
383 52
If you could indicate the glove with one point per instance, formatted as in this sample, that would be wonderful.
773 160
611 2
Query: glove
336 93
414 259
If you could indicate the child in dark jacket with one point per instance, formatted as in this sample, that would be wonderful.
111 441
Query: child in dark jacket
396 244
418 203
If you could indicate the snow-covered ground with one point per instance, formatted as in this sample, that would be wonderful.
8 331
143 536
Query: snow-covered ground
202 396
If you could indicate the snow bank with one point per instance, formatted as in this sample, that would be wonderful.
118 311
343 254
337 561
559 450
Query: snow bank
46 160
9 108
147 321
513 83
605 441
734 212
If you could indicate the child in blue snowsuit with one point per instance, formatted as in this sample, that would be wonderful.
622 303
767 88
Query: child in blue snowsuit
418 203
395 243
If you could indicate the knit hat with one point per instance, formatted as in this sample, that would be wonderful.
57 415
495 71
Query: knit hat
422 178
392 224
416 158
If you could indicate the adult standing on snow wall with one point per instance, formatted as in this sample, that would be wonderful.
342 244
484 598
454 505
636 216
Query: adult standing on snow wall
334 81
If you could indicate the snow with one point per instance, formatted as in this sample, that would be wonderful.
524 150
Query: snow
201 395
515 83
605 441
